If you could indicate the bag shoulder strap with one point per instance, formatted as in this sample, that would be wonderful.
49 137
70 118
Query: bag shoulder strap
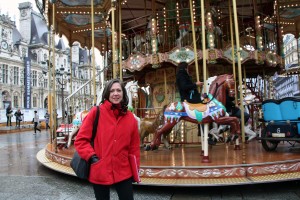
95 124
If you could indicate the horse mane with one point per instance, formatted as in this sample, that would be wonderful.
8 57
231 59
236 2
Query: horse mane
217 82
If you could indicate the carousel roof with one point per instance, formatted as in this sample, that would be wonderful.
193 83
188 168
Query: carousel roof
73 18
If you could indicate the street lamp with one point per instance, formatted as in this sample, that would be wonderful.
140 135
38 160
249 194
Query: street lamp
62 78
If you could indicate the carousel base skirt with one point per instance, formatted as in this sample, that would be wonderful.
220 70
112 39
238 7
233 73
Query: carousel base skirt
183 165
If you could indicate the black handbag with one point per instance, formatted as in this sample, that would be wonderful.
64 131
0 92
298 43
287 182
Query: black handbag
80 166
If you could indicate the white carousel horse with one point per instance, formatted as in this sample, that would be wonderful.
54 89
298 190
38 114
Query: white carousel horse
183 31
132 93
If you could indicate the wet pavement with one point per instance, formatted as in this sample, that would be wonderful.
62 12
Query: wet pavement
22 177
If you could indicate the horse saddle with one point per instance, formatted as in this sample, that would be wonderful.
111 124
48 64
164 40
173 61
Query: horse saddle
197 106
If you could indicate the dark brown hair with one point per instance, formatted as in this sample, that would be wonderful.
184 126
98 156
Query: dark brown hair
182 65
106 92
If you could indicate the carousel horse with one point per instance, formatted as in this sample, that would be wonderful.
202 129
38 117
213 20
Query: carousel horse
183 31
217 131
149 126
212 111
132 93
138 41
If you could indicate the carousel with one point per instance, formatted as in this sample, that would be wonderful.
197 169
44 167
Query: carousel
229 45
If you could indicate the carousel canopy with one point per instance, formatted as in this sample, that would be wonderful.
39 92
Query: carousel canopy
73 19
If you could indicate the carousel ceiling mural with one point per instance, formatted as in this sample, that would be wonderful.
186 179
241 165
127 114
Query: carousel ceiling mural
81 2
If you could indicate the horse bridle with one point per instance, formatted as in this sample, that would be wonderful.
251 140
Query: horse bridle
217 87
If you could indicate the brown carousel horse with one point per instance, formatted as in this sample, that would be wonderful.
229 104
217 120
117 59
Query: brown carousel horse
212 111
149 126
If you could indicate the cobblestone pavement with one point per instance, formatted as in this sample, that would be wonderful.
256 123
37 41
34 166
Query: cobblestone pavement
22 177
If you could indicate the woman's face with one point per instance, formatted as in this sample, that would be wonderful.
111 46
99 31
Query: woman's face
116 94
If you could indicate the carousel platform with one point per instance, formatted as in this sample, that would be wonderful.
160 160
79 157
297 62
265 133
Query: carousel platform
183 166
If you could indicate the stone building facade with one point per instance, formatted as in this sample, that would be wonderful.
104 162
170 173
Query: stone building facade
28 49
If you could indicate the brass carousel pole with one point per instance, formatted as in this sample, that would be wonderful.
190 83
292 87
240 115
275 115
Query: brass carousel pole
71 81
113 8
54 113
239 71
49 88
232 49
120 41
49 78
205 157
93 52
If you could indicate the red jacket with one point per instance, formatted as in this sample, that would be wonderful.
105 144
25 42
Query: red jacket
115 140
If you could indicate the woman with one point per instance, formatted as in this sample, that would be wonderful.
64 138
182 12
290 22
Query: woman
117 137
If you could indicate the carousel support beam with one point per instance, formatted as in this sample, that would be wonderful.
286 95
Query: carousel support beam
49 88
54 112
113 8
205 157
232 49
71 76
93 52
278 30
120 41
239 73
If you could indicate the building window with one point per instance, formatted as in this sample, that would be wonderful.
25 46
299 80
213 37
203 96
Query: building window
16 75
35 57
16 101
45 83
5 74
34 78
34 102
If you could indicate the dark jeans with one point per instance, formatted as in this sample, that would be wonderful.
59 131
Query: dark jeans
8 121
123 188
35 127
18 122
